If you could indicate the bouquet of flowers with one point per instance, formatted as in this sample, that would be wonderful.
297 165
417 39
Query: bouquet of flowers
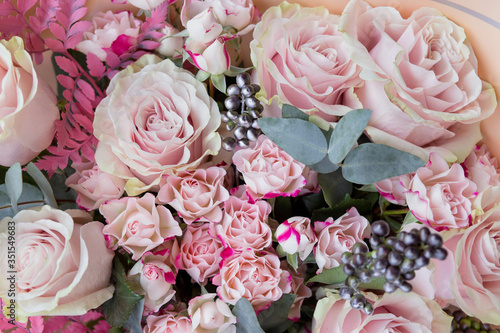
200 166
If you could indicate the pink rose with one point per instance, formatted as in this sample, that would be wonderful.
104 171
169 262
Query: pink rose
156 119
199 253
167 323
421 80
396 312
63 266
296 235
210 315
338 236
170 46
256 276
153 278
239 14
244 225
482 168
439 195
28 113
195 194
311 179
392 190
268 170
137 224
110 31
93 186
302 59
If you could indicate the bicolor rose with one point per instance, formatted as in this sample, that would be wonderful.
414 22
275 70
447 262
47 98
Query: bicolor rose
200 253
338 236
302 59
137 224
195 194
156 119
396 312
439 195
268 170
210 315
63 266
244 225
154 279
167 323
28 111
93 186
110 31
256 276
421 80
296 235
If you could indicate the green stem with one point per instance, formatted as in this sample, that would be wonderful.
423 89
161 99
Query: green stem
395 212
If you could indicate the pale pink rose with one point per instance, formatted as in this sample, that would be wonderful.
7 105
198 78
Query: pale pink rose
299 289
338 236
195 194
392 190
200 253
167 323
28 112
395 312
239 14
63 266
137 224
268 170
244 225
110 31
170 249
256 276
154 279
93 186
439 195
311 179
421 80
482 168
170 46
156 119
296 235
302 59
210 315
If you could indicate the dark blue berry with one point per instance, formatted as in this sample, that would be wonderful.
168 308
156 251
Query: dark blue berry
346 292
405 287
392 273
407 265
399 246
435 240
383 251
345 257
380 228
380 265
409 275
389 287
394 258
232 103
364 276
353 282
368 309
412 252
411 239
358 301
233 90
358 259
242 79
424 234
349 270
440 253
359 248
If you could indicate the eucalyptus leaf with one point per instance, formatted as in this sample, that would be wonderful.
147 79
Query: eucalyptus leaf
330 276
246 319
301 139
346 133
324 166
273 318
65 196
30 197
290 111
313 201
370 162
334 187
14 185
43 184
133 323
219 82
119 308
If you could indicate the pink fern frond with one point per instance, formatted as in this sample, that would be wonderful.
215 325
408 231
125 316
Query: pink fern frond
67 65
95 66
24 5
6 8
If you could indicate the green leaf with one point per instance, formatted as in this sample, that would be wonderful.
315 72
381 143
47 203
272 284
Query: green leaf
119 308
30 197
133 323
202 75
363 206
375 283
293 260
290 111
14 185
409 219
42 183
370 162
324 166
301 139
346 133
246 319
219 82
330 276
313 201
65 196
275 317
282 208
334 187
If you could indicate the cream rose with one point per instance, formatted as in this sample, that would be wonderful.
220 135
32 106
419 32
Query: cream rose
28 111
210 315
167 323
63 265
421 80
156 119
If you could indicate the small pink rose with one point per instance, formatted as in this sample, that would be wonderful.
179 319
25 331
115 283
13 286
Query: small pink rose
482 168
338 236
296 235
210 315
268 170
168 323
392 190
137 224
299 289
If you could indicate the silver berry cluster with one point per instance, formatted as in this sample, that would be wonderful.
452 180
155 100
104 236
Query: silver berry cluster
243 110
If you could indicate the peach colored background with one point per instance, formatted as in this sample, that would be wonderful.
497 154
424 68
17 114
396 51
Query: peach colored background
485 40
